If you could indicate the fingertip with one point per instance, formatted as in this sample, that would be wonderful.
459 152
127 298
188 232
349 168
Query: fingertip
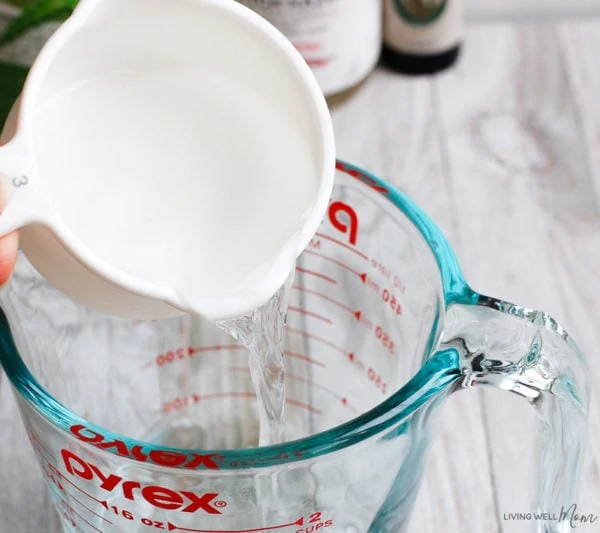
9 245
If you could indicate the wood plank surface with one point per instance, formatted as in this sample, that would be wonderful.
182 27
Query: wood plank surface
530 224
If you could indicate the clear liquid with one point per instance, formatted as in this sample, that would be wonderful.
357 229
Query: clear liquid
262 333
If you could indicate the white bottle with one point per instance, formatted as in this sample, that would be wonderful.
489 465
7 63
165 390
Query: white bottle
422 36
340 39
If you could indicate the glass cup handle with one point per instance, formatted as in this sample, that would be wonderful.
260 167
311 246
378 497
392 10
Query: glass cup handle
527 352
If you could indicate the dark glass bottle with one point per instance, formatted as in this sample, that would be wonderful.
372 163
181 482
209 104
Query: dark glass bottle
422 36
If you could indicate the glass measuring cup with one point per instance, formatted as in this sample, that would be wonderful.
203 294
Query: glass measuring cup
148 426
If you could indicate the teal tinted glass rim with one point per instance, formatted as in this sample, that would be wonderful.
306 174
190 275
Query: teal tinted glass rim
437 375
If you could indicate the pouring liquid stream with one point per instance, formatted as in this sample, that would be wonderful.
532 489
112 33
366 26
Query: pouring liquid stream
262 333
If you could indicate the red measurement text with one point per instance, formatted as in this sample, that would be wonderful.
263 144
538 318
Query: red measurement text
149 522
169 357
377 380
181 403
316 523
182 353
385 339
156 456
392 302
387 273
154 523
127 515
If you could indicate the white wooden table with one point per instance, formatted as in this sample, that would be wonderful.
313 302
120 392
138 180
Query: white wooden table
504 152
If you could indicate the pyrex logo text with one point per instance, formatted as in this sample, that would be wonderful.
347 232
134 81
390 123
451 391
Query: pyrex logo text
337 212
158 457
157 496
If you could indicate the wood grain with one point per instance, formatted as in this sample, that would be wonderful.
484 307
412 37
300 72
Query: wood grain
520 10
530 224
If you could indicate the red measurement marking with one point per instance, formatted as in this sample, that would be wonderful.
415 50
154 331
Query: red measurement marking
307 381
57 472
324 297
377 380
382 269
74 512
353 358
40 448
218 348
215 395
66 516
177 404
387 273
289 401
252 395
334 261
347 246
48 465
370 283
317 274
294 377
360 318
317 338
304 358
180 354
309 313
299 522
306 406
392 302
52 478
88 509
313 384
51 471
385 339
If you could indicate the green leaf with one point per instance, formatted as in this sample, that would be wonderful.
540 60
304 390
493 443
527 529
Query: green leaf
34 15
12 78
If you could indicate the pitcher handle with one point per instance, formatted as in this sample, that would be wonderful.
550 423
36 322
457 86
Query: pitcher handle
527 352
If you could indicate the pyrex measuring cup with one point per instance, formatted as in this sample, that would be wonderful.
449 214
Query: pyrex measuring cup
148 426
140 58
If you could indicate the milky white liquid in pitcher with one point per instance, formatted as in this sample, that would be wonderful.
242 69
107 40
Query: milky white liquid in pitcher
172 176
